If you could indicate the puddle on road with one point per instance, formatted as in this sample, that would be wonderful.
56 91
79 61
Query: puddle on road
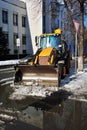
54 113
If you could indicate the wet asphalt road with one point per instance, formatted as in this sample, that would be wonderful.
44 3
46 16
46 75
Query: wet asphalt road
6 72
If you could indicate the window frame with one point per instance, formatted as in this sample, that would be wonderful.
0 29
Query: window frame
24 51
23 39
15 36
23 21
4 16
15 19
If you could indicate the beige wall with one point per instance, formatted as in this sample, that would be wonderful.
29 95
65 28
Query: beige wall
34 13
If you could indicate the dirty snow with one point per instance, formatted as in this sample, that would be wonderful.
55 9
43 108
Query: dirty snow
9 62
74 82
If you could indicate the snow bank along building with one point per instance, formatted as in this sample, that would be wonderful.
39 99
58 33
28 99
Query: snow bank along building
25 20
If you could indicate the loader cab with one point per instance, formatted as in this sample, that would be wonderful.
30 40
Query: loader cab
48 40
53 40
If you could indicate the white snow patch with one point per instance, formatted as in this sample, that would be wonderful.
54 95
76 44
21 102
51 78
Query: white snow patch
9 62
75 83
32 90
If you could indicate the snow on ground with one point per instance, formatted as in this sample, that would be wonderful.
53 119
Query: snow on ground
9 62
21 91
74 82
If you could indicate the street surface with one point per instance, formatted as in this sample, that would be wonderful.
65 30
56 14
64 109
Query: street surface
53 112
6 74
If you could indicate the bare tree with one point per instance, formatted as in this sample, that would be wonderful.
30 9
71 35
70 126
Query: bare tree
76 10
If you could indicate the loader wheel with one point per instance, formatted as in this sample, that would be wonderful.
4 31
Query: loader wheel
59 78
18 75
67 70
67 63
61 70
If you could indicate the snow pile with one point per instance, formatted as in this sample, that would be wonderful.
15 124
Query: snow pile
75 83
9 62
21 91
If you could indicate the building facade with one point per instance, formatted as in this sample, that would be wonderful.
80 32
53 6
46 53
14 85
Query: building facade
27 19
43 17
13 21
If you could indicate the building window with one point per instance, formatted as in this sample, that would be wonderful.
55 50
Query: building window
44 18
4 43
44 24
54 7
15 51
23 21
6 38
23 39
4 16
24 51
15 19
15 38
44 9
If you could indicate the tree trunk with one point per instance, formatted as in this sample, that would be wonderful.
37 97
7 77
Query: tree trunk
80 45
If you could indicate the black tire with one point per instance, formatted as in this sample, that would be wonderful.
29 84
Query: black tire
59 78
18 76
61 70
67 63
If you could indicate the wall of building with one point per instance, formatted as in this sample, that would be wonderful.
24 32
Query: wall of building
34 14
52 14
40 18
19 8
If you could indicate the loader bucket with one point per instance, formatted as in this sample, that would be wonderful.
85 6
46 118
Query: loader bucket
42 75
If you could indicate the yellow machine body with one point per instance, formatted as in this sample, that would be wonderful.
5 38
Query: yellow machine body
44 68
